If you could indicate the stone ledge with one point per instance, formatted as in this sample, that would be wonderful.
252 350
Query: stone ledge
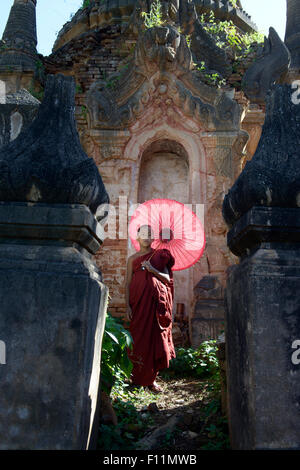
62 222
264 225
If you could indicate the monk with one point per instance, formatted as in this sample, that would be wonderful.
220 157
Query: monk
149 299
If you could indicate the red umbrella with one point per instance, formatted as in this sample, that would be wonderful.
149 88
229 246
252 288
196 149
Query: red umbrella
174 226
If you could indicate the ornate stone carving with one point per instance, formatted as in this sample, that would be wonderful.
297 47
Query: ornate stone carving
267 69
271 178
159 74
46 162
182 14
203 44
163 48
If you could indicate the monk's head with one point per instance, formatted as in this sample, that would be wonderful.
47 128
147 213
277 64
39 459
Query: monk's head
145 236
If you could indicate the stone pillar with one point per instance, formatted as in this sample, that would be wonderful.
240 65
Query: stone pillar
53 301
262 293
263 306
52 318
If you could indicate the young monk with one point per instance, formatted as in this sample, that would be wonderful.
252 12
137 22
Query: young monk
149 299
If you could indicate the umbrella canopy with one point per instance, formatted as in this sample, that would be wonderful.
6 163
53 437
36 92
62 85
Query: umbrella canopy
175 227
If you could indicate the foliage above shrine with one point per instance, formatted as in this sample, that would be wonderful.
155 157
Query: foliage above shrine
219 49
226 36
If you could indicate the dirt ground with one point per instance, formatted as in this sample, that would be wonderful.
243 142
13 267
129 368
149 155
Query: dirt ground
185 416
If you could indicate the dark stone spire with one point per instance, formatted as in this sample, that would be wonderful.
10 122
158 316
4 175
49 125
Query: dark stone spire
18 46
272 177
292 35
46 163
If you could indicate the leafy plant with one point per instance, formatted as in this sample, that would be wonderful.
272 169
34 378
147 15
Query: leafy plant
188 39
213 78
154 17
200 362
115 364
228 35
216 427
129 429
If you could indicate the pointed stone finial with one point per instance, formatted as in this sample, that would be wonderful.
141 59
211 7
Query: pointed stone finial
272 177
46 163
18 46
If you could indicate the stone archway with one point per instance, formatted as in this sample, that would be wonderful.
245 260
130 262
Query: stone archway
164 173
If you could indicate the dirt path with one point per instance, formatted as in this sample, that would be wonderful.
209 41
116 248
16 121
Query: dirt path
185 416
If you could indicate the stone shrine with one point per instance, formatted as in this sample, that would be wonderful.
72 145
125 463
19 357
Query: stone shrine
154 122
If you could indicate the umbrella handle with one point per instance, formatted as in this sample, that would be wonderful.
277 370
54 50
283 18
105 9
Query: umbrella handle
149 258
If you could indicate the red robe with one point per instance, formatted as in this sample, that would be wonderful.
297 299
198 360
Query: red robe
151 301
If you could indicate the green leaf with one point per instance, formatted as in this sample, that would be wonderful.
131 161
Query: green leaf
112 336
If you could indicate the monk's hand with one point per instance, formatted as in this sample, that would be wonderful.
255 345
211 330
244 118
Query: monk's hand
147 265
129 313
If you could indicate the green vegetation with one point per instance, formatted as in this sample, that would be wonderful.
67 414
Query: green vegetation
131 426
227 35
3 45
115 365
85 3
201 362
154 17
197 366
78 89
214 78
112 82
84 112
216 427
234 3
37 93
115 372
